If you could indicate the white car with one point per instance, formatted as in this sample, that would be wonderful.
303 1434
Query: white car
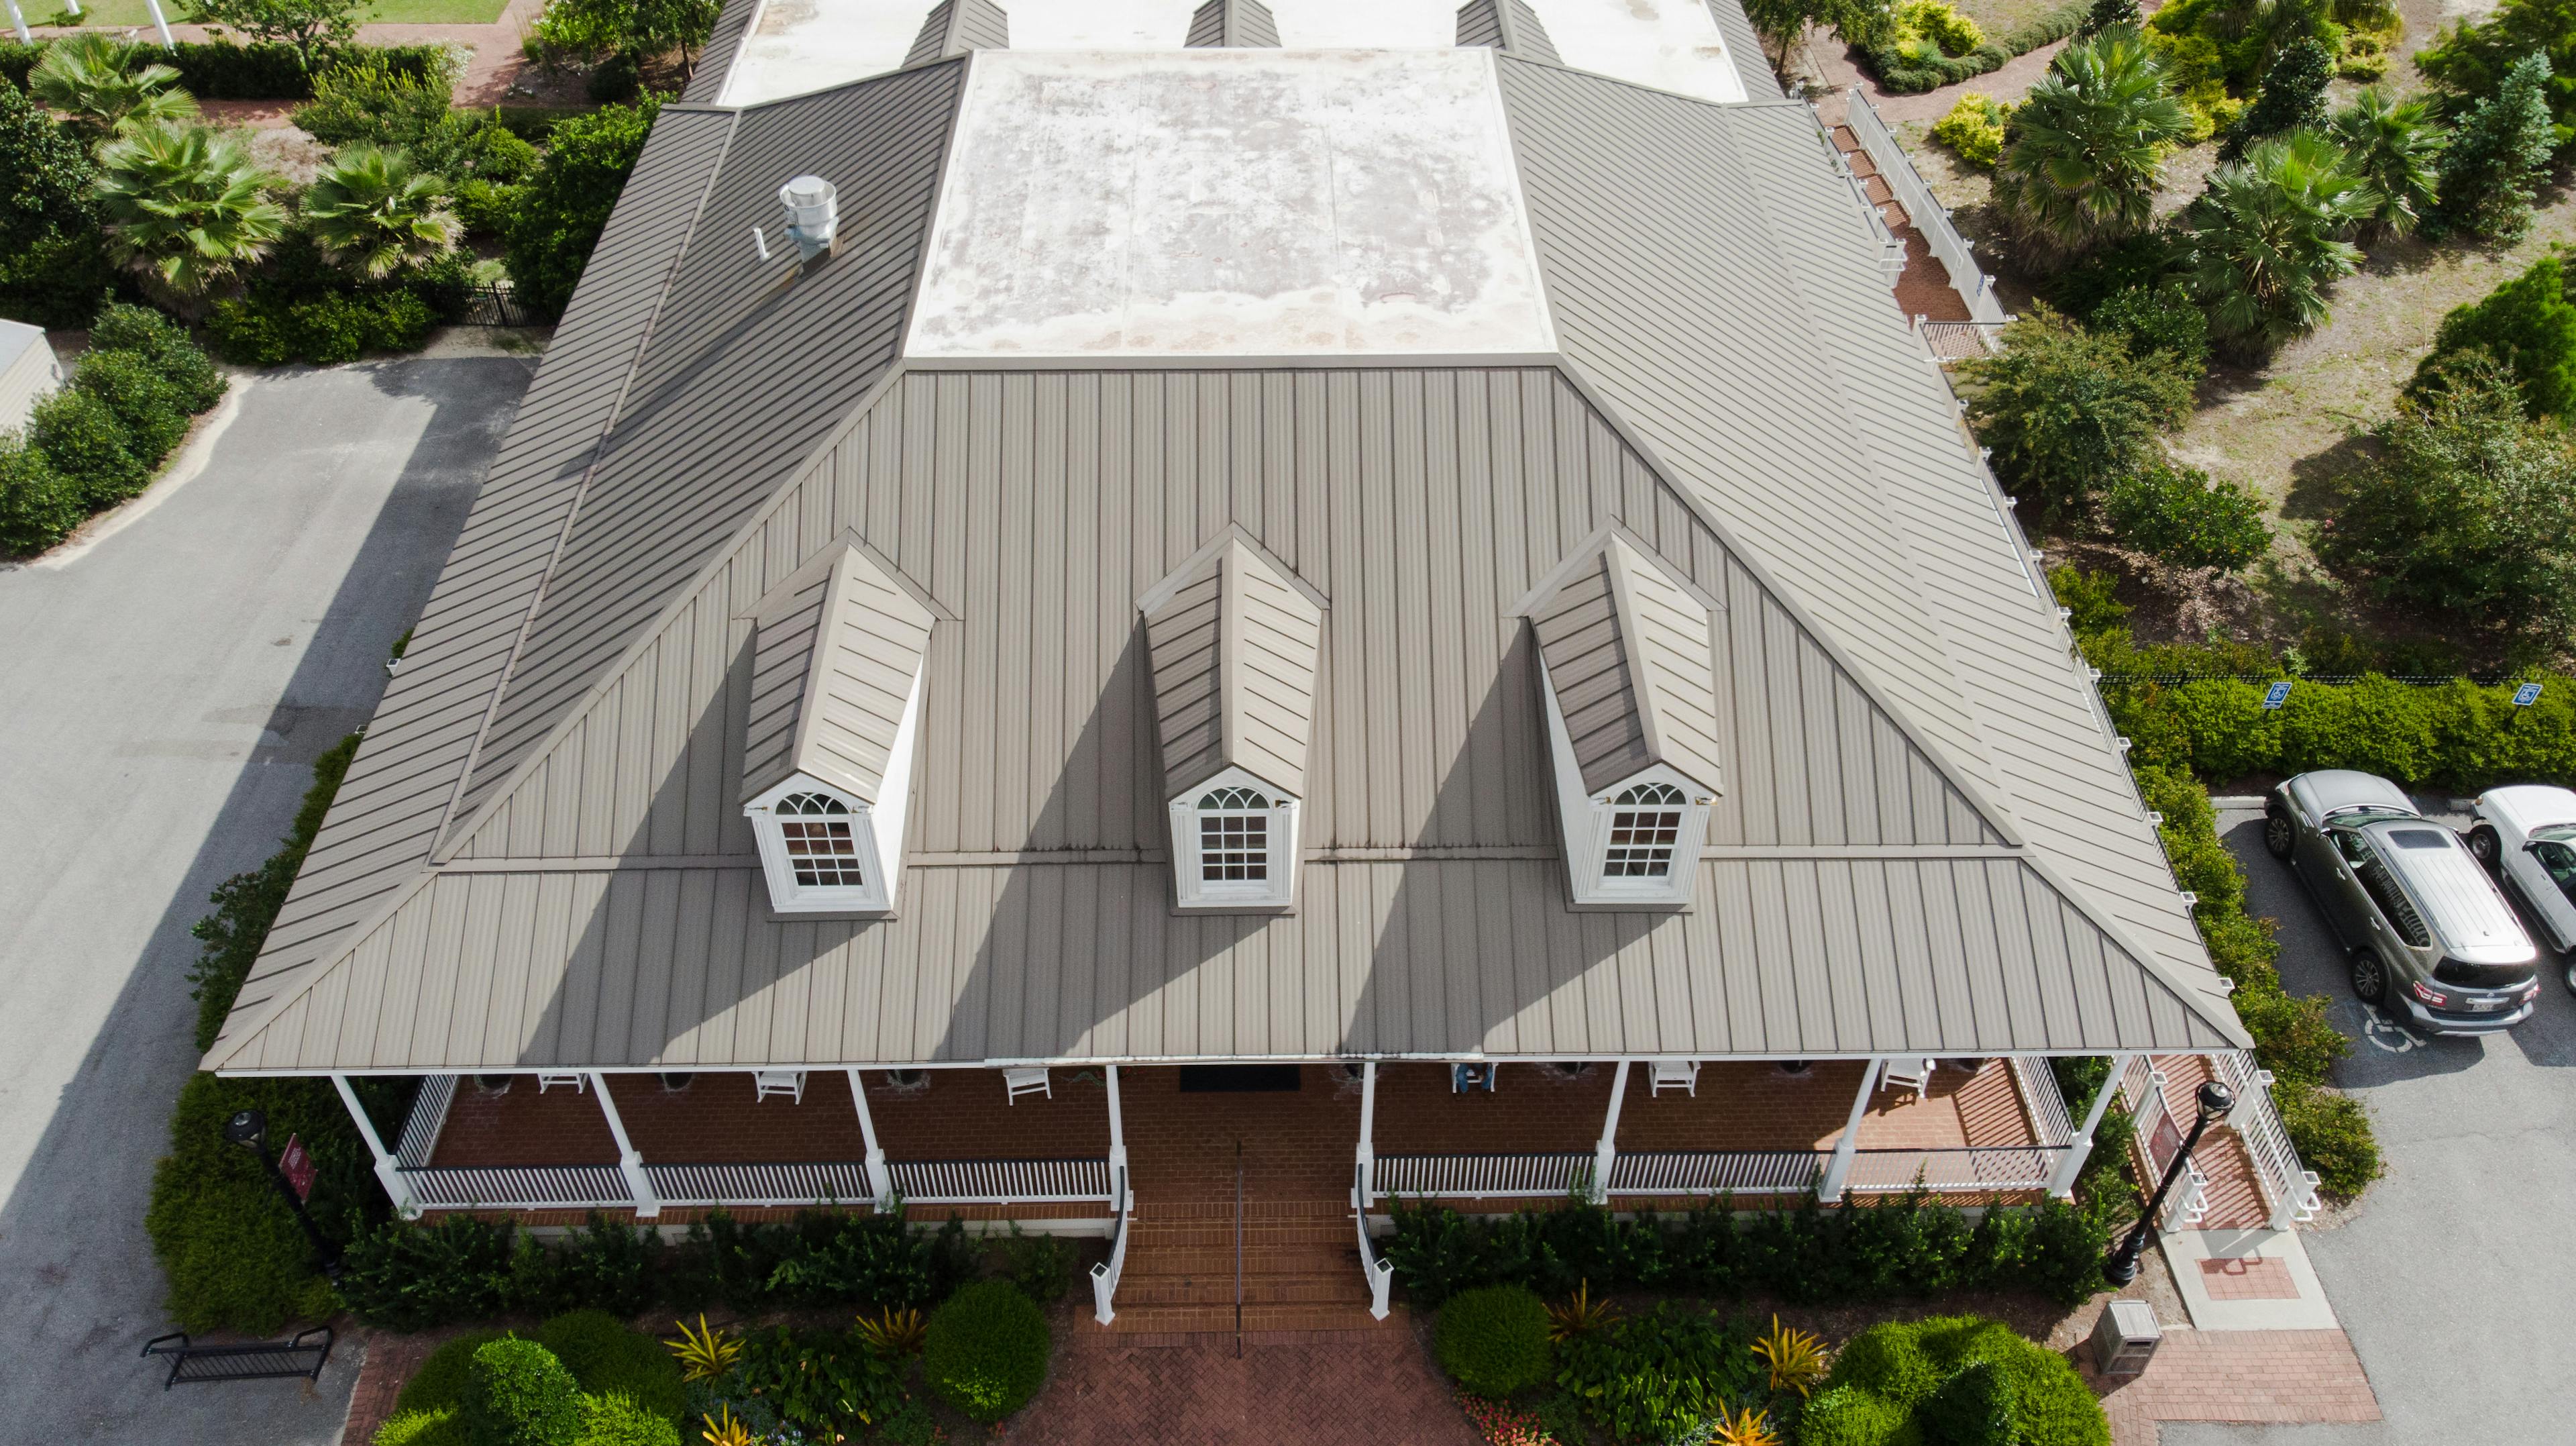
2527 834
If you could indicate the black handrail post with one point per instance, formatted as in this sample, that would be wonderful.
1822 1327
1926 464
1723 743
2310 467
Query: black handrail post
2215 1100
1238 1250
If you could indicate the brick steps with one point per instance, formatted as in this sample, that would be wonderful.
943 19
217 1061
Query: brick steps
1300 1264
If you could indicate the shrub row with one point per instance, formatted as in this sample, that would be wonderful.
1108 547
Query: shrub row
222 70
1902 74
583 1379
1951 1379
1904 1245
100 439
414 1277
2458 733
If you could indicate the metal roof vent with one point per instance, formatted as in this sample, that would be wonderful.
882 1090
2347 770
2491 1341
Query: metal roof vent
813 210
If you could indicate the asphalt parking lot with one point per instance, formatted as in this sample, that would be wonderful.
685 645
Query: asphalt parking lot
2453 1274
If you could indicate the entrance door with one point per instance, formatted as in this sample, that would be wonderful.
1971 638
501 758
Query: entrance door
1239 1079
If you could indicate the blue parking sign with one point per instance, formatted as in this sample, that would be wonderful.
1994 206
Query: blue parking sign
2526 695
2276 695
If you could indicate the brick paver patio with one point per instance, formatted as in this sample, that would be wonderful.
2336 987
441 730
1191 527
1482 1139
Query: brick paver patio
1376 1387
2279 1377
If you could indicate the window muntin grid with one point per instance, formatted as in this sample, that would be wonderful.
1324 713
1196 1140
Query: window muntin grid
1645 826
1234 837
822 851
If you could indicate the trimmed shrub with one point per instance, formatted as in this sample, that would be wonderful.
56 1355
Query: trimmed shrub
230 938
442 1427
2528 326
518 1394
1951 1378
1849 1416
325 330
151 410
140 329
615 1420
412 1277
38 505
1973 1408
370 100
2160 319
87 447
1887 1361
2183 517
1975 129
987 1349
1908 60
1494 1341
440 1383
607 1358
222 70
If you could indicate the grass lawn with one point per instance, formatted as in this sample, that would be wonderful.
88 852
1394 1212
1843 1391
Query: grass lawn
123 13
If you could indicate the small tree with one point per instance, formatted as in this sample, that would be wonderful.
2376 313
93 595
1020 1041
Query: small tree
2089 147
645 29
2294 95
376 213
2395 146
2492 166
2105 14
564 204
2183 518
315 28
53 265
2471 510
2064 409
2471 60
2527 326
2266 240
185 207
94 82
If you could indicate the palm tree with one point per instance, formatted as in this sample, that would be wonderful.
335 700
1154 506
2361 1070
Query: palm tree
2396 147
2088 147
89 78
185 206
375 213
2266 239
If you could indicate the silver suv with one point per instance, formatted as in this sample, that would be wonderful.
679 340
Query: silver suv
2430 936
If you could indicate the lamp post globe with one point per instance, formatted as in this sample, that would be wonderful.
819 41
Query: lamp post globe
248 1128
2215 1100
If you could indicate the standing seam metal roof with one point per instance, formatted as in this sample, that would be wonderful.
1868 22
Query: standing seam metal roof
834 664
1233 23
1627 651
1235 647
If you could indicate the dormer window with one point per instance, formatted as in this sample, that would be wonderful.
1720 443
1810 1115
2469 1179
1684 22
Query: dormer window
1627 665
838 662
1235 640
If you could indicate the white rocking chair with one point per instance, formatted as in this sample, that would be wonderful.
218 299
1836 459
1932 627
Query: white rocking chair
546 1082
1676 1074
788 1082
1909 1073
1018 1082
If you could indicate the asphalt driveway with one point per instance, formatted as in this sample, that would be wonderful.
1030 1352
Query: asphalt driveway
164 690
2454 1274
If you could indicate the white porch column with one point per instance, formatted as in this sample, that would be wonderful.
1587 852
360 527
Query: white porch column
1365 1186
2061 1181
388 1169
18 22
880 1179
630 1164
1831 1190
1117 1123
1607 1151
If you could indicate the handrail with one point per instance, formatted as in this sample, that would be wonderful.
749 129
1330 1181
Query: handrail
1923 209
2288 1189
1104 1276
2038 1086
1238 1250
1379 1274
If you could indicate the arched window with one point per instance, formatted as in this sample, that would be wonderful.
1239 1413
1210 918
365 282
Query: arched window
821 848
1645 823
1234 837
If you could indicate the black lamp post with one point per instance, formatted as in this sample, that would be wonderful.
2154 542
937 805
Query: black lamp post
2215 1101
249 1128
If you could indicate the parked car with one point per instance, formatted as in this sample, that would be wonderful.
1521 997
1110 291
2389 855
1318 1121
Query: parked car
2527 834
2430 935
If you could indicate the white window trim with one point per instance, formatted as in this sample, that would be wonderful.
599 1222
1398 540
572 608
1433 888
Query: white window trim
1195 891
786 896
1585 819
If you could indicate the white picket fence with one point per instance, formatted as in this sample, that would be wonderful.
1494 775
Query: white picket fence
1929 216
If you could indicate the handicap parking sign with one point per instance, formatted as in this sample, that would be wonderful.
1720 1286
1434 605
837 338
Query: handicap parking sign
2526 695
2276 695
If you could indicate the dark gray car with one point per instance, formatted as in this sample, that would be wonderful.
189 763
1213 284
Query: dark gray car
2430 936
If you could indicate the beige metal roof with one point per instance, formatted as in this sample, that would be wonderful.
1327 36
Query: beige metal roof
1233 23
540 854
834 661
1627 651
1234 647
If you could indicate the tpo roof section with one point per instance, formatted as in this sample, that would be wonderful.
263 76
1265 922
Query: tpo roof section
834 661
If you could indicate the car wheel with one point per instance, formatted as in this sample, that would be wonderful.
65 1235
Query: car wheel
2485 847
2280 835
2571 976
2369 977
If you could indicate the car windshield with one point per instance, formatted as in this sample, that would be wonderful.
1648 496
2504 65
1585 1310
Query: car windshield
2420 838
2556 831
2482 976
2357 812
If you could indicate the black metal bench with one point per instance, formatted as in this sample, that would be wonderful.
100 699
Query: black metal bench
259 1360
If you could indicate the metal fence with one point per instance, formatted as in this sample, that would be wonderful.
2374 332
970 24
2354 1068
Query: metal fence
493 304
1929 216
1000 1182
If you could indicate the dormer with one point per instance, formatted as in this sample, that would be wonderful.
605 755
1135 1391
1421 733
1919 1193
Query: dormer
1234 641
1509 26
839 654
954 27
1629 683
1233 25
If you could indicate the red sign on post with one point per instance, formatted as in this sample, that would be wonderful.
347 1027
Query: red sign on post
297 1167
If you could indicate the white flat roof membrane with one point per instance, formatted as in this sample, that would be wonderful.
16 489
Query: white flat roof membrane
1230 203
796 46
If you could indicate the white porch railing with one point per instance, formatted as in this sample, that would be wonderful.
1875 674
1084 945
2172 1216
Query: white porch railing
2160 1136
519 1187
2045 1102
1486 1177
1379 1274
1104 1276
1929 216
1707 1172
827 1183
1714 1172
428 1116
1950 341
2289 1190
1000 1182
2018 1167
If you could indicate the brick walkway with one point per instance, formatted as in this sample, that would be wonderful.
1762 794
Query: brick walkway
2279 1377
1365 1388
1923 289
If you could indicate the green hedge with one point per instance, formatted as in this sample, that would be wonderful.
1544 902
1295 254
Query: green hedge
986 1351
222 70
1907 1245
1899 74
1493 1340
102 437
518 1394
1899 1383
2460 734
